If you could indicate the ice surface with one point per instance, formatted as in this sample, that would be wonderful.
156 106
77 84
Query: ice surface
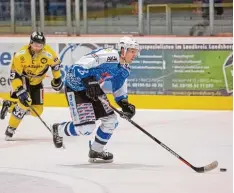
32 164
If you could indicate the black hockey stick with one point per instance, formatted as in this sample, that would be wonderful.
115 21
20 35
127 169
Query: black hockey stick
203 169
31 107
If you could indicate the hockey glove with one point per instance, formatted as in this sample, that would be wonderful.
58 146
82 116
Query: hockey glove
57 84
23 96
127 108
93 89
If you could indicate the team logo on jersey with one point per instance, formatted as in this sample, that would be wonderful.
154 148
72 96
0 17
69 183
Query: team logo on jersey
108 50
34 66
56 59
22 59
111 59
56 67
95 56
43 60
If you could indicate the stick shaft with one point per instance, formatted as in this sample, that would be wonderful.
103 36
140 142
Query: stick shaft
31 107
149 135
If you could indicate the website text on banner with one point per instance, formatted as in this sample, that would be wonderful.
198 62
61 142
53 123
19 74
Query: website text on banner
173 67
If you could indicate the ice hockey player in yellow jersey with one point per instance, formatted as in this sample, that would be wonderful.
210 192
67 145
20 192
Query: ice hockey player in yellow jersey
28 69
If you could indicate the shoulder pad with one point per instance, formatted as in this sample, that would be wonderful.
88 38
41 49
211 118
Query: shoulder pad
108 56
47 54
22 51
95 59
48 51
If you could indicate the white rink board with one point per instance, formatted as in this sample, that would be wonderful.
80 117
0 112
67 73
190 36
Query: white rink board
83 45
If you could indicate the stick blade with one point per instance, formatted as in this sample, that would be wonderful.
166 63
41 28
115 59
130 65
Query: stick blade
207 168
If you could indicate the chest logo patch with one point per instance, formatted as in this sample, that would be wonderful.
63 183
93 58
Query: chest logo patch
43 60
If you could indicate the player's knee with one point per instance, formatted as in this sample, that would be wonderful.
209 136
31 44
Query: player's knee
21 106
38 109
109 124
70 129
18 112
85 129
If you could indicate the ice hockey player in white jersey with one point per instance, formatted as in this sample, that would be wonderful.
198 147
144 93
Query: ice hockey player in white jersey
82 88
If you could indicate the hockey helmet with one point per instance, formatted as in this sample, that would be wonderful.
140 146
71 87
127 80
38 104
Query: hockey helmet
126 43
37 37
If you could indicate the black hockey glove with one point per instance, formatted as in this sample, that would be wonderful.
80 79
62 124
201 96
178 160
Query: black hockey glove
127 108
93 89
23 96
57 84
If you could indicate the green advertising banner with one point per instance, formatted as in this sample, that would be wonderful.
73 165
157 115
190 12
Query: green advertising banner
183 69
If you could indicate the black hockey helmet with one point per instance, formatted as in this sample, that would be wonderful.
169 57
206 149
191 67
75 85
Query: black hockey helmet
37 37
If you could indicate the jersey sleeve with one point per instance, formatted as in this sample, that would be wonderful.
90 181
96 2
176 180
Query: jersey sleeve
98 57
119 89
80 72
16 72
55 65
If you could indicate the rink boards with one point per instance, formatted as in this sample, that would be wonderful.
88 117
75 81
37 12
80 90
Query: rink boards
161 102
168 73
155 102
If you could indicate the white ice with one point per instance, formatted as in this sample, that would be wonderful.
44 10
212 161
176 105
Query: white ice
32 164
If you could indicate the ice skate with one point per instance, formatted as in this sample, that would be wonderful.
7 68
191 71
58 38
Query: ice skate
58 141
10 131
100 157
5 106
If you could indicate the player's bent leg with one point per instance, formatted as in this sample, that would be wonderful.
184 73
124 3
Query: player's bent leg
82 114
16 117
5 107
57 138
103 134
70 129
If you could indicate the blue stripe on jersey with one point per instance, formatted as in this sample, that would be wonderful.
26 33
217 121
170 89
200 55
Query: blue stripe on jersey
103 135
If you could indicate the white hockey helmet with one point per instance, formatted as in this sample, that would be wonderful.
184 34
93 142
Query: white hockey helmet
127 42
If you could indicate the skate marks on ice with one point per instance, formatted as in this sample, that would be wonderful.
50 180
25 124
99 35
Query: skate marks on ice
115 166
37 181
133 167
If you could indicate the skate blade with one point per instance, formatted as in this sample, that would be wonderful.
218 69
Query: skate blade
7 138
96 160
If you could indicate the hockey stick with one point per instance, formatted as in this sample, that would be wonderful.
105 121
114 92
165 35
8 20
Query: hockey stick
31 107
203 169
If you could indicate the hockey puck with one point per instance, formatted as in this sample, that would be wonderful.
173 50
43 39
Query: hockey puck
223 169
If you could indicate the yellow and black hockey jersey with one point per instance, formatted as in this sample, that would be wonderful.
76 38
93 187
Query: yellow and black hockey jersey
33 67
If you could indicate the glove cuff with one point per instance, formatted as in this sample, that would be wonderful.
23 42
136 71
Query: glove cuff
57 84
19 91
91 80
122 103
57 81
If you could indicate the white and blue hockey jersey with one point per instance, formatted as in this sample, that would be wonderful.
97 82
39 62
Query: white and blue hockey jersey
104 65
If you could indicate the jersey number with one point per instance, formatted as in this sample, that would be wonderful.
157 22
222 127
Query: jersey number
12 75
